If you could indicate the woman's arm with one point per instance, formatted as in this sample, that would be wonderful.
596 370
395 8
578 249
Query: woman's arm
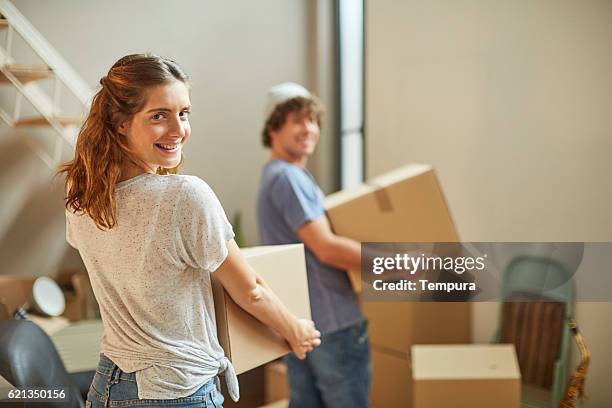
252 294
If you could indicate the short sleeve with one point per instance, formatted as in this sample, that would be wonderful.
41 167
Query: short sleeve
69 233
203 230
296 199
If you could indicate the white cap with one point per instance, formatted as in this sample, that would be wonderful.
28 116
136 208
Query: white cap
282 93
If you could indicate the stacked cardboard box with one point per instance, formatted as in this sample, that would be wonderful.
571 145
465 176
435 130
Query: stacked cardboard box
284 403
252 390
470 376
404 205
277 385
247 342
391 378
15 291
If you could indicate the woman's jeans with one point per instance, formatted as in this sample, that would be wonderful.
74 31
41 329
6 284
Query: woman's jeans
334 375
111 387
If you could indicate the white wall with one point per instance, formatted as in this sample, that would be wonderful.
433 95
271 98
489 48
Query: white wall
234 51
511 102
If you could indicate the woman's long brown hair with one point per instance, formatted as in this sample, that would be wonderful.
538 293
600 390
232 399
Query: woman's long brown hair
101 150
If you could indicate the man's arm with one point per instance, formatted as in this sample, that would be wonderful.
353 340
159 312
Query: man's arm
329 248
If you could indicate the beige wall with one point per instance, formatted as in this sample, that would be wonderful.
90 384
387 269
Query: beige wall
511 102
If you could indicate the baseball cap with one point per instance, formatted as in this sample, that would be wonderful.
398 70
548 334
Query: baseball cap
281 93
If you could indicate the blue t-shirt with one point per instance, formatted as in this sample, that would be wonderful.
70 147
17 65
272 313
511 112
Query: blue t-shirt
288 198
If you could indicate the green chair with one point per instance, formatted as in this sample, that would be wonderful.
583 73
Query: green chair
538 301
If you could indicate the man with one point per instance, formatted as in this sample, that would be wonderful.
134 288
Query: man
290 210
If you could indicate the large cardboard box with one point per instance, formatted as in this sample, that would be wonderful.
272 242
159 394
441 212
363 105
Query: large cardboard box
277 383
247 342
15 291
391 379
470 376
403 205
284 403
252 390
399 325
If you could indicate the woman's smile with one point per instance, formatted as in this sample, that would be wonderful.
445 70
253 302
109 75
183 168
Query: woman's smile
168 148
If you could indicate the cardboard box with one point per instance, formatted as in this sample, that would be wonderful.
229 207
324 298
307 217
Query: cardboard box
252 389
284 403
391 379
277 384
15 291
474 376
247 342
399 325
403 205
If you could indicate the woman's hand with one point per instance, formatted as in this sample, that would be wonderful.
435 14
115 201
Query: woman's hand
305 338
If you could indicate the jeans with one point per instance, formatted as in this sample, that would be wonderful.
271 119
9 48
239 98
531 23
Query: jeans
111 387
336 374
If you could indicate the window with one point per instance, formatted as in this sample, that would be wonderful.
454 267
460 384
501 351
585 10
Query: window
351 91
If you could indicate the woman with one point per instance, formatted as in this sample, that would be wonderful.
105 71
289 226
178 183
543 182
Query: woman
150 240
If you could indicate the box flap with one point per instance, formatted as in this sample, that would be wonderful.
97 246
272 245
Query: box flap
376 183
344 196
399 174
266 249
410 207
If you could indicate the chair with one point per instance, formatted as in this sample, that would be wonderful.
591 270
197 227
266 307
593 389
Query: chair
538 302
28 358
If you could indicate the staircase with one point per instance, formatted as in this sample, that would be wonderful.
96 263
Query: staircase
39 135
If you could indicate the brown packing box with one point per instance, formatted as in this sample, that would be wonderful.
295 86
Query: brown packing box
403 205
15 291
252 387
277 384
470 376
247 342
391 379
284 403
399 325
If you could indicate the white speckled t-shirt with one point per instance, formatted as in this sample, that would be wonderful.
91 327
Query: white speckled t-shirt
151 277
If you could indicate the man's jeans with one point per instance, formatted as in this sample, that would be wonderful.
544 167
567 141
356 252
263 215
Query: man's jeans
336 374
